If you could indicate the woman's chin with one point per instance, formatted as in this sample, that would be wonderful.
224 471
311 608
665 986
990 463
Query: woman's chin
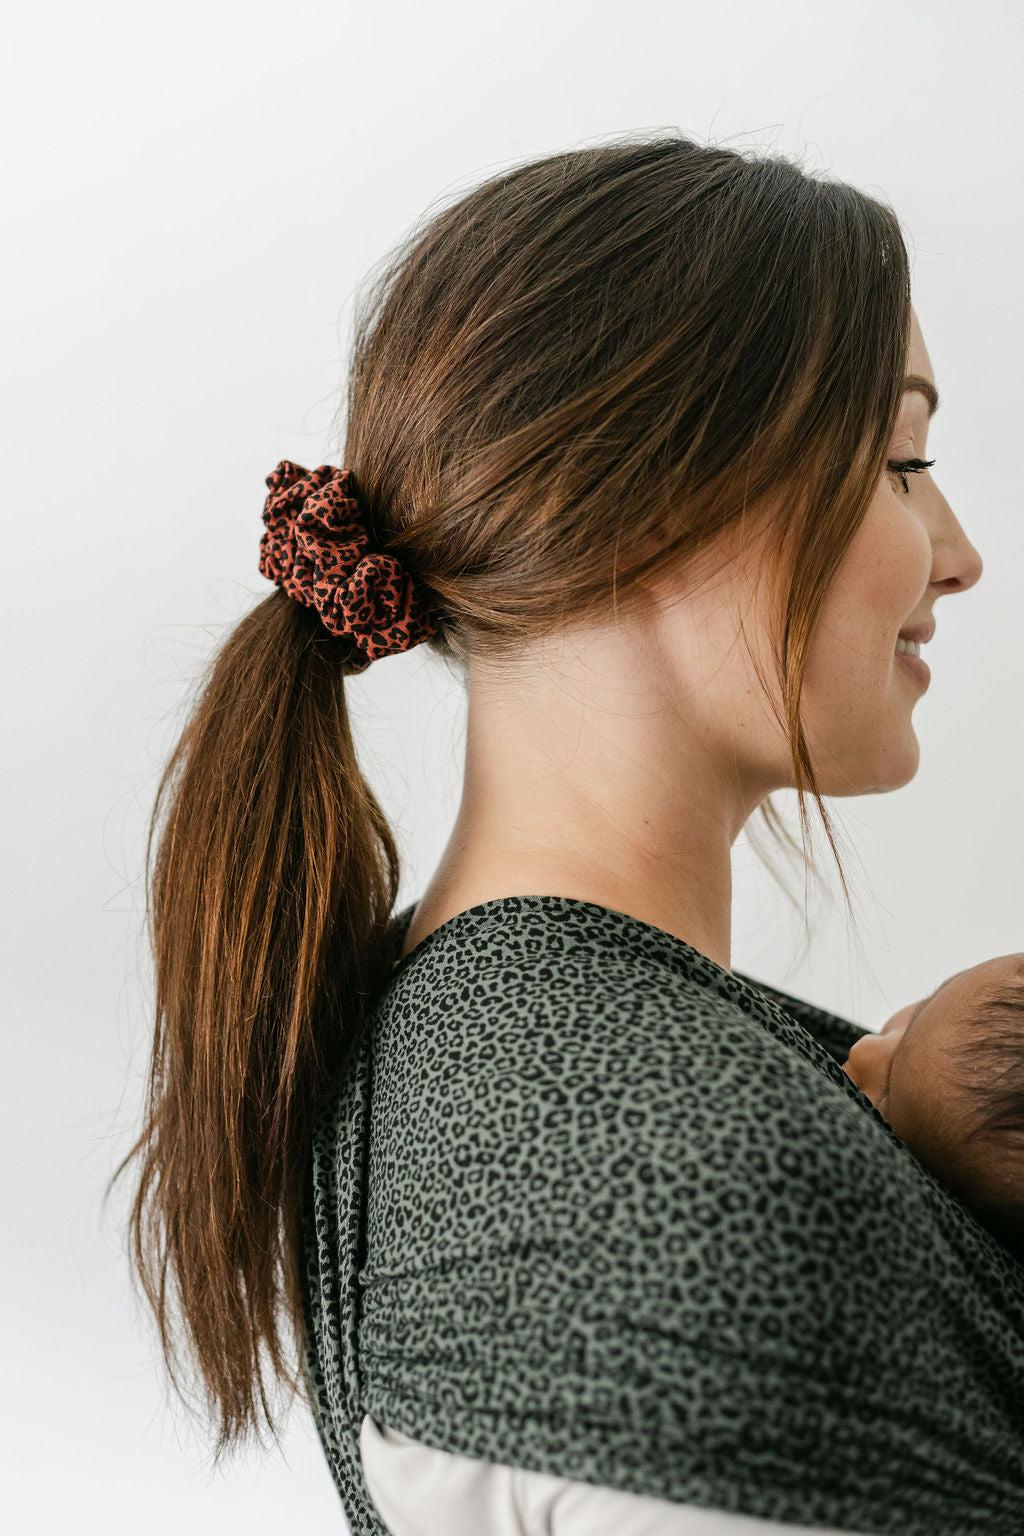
898 758
877 779
910 759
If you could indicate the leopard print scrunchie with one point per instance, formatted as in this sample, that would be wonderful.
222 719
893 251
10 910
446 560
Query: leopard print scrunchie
316 546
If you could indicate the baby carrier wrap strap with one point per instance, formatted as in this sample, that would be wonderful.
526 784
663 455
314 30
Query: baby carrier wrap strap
589 1204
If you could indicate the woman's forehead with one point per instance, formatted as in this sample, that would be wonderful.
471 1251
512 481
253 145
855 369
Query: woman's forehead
918 360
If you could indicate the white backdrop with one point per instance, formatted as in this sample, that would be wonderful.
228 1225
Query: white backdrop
195 191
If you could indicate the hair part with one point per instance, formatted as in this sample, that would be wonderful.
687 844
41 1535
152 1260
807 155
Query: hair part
591 368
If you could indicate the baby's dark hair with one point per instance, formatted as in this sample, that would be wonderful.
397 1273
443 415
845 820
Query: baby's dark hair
988 1066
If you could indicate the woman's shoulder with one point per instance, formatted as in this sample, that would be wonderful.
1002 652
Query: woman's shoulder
520 963
541 1043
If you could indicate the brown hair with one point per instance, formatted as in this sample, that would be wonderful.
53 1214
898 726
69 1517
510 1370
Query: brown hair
581 372
988 1064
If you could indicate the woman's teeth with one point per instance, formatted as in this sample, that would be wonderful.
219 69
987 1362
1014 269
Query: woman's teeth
909 647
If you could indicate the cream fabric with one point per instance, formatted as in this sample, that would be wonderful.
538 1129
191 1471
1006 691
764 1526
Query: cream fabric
421 1491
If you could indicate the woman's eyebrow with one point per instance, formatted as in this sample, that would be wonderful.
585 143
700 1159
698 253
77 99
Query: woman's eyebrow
925 387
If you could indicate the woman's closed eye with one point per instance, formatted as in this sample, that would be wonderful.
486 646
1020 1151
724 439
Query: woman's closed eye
904 467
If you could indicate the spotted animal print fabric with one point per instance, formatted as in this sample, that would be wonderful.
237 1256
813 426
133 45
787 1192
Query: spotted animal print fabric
589 1204
316 546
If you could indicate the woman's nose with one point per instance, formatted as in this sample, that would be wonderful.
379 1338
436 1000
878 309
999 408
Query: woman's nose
957 564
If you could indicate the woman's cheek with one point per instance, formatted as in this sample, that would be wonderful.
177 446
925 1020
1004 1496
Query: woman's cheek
904 558
882 579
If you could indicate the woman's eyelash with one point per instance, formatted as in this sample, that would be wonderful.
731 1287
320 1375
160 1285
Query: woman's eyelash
903 467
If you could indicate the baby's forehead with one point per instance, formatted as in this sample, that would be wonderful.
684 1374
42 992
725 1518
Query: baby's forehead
1002 970
984 991
996 972
985 970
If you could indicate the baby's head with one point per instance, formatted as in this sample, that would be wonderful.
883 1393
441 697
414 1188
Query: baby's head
947 1074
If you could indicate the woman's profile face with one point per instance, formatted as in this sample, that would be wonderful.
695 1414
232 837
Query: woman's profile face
859 695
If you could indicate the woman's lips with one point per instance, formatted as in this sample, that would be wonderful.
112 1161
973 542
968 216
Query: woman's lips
916 666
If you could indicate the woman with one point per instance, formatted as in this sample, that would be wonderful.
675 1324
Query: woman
562 1212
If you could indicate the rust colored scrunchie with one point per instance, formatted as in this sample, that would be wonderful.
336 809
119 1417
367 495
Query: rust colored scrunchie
317 548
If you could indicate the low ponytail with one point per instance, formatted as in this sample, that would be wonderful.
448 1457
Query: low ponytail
269 901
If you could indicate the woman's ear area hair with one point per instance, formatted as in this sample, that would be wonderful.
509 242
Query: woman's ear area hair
747 546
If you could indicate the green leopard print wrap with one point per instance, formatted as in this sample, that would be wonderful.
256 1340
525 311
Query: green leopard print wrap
591 1205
